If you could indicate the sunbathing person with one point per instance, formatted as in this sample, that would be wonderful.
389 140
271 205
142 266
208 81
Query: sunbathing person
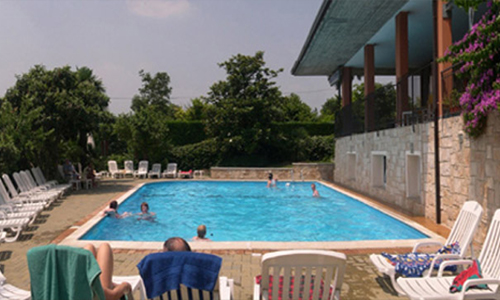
315 191
176 244
145 214
202 231
112 211
104 257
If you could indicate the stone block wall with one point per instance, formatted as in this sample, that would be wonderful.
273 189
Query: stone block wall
394 143
469 168
299 171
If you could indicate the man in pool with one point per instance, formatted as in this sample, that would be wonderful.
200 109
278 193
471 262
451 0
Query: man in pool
315 191
202 231
176 244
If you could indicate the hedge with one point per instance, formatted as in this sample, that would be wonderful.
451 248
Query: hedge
197 156
312 128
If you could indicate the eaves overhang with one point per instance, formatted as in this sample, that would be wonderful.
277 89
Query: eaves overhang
340 29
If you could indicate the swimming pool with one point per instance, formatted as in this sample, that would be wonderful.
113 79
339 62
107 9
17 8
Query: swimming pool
248 211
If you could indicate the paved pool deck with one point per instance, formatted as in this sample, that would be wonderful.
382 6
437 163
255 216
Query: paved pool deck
362 281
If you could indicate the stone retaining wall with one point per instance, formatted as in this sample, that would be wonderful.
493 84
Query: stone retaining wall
469 168
299 171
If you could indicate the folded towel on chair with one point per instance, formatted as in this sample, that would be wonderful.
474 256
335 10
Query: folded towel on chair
162 272
415 264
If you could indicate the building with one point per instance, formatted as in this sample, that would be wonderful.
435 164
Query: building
402 155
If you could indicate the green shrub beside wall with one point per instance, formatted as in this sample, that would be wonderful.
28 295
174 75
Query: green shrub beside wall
201 155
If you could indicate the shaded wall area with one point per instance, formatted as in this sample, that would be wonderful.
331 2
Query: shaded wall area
470 168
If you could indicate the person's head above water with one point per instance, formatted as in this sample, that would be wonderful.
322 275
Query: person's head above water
270 176
176 244
313 186
202 230
113 204
144 207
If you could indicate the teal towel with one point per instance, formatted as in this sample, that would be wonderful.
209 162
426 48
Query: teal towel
62 272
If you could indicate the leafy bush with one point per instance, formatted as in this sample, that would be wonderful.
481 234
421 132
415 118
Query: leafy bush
186 132
312 128
319 148
201 155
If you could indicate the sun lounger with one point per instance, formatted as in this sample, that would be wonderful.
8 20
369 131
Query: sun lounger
62 272
113 169
10 292
168 275
25 199
185 174
171 171
142 171
302 270
438 287
155 171
129 168
13 225
462 232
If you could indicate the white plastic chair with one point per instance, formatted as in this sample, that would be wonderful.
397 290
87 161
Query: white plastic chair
171 171
129 168
155 171
10 292
113 169
462 232
143 169
437 287
324 270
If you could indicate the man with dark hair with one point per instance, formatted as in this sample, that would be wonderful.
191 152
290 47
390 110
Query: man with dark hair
176 244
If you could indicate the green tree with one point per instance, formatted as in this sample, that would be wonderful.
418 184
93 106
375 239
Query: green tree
329 109
70 105
155 91
294 110
243 105
385 104
197 111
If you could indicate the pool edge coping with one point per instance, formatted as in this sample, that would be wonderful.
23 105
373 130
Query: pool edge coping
71 236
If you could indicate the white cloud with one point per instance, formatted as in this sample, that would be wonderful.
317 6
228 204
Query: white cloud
158 8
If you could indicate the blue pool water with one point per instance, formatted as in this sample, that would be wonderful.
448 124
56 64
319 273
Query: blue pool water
249 211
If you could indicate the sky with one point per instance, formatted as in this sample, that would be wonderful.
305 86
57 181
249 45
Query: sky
185 38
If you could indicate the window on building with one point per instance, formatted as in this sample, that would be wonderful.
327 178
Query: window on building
379 169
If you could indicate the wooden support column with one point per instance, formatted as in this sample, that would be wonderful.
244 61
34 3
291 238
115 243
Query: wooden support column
444 40
346 86
401 65
369 77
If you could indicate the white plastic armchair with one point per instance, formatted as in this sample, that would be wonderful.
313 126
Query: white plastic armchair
155 171
171 171
319 269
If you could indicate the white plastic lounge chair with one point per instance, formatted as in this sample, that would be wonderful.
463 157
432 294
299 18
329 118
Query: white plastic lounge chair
24 198
129 168
438 287
462 232
113 169
171 171
155 171
31 184
27 189
10 292
14 225
40 179
297 264
143 169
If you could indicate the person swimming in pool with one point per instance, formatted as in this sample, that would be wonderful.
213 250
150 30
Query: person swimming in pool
201 231
315 191
112 211
145 214
271 182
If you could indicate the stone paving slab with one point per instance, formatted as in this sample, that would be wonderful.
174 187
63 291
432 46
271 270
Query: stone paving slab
362 281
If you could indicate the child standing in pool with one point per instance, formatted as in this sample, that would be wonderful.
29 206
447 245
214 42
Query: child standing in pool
315 191
145 214
112 211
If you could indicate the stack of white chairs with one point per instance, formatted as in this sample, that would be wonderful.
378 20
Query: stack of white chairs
32 185
40 179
